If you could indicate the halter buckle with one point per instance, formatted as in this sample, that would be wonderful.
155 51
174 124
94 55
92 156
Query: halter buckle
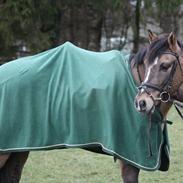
165 96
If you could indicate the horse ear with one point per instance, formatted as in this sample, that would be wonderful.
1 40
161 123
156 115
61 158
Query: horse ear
152 36
172 42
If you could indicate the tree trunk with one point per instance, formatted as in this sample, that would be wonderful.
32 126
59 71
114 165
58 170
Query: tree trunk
136 29
81 25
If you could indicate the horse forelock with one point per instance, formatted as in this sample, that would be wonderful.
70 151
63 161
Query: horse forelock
157 47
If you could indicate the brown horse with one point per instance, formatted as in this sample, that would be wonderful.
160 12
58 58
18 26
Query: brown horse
163 82
11 165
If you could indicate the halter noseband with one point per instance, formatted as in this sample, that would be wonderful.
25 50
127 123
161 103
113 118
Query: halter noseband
166 85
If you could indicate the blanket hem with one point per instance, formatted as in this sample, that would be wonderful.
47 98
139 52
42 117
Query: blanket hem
104 149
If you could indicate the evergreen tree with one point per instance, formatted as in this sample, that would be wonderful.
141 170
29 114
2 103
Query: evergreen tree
40 25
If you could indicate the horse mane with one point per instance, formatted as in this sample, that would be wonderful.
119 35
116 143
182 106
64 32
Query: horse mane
138 58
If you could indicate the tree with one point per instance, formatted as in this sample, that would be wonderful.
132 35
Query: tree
169 14
136 27
165 13
40 25
81 23
22 25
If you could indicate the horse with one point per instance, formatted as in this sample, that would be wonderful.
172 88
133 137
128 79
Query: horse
11 164
162 85
163 80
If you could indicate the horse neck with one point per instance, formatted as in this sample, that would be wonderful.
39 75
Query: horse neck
179 95
139 70
164 108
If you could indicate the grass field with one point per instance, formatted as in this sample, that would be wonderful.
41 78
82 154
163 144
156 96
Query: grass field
79 166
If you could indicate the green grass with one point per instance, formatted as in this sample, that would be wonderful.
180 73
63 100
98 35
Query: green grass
79 166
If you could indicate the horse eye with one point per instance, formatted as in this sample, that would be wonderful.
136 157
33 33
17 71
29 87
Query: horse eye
164 67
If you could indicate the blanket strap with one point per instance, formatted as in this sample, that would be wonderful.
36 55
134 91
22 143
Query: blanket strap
168 122
149 135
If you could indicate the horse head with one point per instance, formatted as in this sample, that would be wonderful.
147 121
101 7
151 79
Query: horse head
163 72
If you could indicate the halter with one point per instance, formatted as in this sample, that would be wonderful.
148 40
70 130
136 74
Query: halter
164 89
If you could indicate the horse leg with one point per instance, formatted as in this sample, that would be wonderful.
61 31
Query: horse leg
12 170
3 158
129 173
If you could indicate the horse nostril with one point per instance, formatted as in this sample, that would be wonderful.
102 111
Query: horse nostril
142 104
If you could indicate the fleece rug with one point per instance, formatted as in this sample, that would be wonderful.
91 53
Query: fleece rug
69 97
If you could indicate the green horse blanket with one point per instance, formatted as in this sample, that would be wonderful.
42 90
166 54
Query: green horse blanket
70 97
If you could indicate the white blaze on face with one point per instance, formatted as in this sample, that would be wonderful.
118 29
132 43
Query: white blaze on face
149 101
149 69
148 73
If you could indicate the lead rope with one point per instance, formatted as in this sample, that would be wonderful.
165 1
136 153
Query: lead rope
149 135
149 123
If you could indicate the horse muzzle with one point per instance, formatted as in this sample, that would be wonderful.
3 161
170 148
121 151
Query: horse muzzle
144 103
